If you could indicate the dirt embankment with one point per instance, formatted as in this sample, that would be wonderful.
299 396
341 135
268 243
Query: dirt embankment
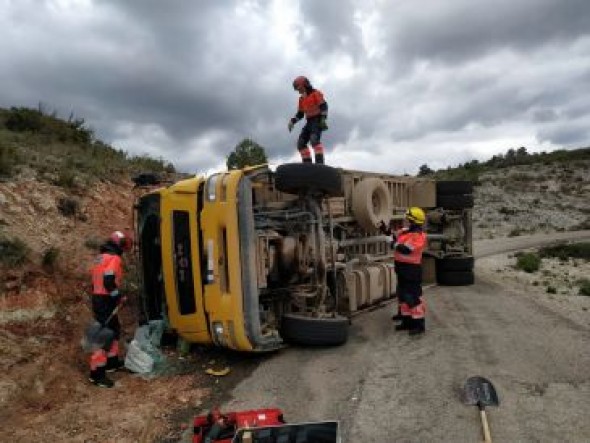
44 392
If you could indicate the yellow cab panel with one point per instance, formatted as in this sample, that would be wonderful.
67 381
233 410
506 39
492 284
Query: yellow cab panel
223 285
181 262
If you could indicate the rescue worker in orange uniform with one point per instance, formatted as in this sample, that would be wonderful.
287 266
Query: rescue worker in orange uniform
408 247
314 108
107 275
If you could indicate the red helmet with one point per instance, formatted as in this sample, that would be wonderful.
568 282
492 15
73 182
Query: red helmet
301 81
121 240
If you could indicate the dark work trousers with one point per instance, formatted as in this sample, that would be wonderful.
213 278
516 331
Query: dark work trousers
409 283
102 307
310 133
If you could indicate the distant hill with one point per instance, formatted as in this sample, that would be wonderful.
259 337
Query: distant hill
63 152
472 170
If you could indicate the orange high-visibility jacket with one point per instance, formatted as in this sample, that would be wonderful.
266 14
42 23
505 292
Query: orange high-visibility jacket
310 104
415 242
105 266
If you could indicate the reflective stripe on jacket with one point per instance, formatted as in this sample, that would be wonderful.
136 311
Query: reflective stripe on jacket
310 104
415 242
106 265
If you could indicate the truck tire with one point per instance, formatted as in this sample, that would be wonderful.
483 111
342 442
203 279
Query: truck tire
371 203
459 201
454 187
455 264
455 278
296 178
310 331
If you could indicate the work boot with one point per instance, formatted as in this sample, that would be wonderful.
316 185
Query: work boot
404 325
417 326
319 159
113 364
98 378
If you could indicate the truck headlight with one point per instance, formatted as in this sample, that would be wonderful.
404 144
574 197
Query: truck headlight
211 187
218 333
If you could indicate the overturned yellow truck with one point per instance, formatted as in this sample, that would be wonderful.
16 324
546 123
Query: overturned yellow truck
253 259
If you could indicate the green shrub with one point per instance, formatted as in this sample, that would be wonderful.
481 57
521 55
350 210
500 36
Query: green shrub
551 290
528 262
23 119
50 257
584 285
66 179
506 210
68 207
515 232
13 252
567 251
8 159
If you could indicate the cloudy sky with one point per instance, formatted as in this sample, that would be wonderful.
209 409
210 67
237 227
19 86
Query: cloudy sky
408 82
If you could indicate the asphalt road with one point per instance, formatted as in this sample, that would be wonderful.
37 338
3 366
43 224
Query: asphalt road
385 386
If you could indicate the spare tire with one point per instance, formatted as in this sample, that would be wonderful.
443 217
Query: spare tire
371 203
455 201
297 178
455 278
454 187
455 264
311 331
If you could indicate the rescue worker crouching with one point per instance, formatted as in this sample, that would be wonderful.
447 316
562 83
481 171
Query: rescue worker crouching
408 247
314 108
107 275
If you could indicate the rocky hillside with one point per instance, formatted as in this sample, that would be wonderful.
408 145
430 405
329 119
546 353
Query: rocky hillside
517 193
61 192
528 199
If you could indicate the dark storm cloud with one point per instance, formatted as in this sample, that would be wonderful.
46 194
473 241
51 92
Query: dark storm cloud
568 134
160 72
333 28
544 115
463 29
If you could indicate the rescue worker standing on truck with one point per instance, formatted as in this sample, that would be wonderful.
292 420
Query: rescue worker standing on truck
409 243
314 108
107 275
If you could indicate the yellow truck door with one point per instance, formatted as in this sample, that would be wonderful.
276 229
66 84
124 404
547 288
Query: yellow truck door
181 261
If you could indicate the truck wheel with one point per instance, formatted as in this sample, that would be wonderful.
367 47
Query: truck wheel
454 201
455 264
371 203
455 278
311 331
454 187
295 178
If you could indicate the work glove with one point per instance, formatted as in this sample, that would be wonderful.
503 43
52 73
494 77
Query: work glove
323 124
290 125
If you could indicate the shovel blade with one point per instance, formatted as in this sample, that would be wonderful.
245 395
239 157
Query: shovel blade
97 336
480 391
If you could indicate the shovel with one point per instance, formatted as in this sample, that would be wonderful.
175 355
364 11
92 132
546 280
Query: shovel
481 392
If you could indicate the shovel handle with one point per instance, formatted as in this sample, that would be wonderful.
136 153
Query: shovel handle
110 317
484 423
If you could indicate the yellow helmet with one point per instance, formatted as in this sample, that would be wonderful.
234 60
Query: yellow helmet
415 215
